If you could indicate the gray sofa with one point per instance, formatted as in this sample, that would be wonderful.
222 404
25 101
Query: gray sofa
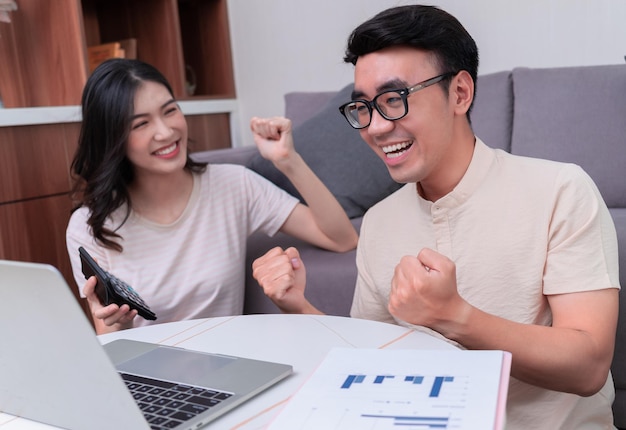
574 114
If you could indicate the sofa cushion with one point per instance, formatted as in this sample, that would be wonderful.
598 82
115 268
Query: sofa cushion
339 157
492 113
576 115
302 105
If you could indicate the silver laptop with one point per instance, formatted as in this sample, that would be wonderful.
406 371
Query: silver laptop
54 370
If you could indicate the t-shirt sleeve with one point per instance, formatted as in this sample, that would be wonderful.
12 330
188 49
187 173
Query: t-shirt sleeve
582 250
268 205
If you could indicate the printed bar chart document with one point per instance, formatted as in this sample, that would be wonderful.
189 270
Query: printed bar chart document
414 389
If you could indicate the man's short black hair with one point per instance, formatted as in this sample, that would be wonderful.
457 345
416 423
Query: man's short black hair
427 28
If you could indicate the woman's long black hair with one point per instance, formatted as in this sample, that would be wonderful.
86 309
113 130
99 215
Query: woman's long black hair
100 168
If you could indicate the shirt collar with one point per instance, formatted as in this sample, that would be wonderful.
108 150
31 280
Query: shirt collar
476 172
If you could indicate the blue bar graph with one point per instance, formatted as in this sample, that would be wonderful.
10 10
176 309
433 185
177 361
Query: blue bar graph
381 378
357 379
413 421
439 380
414 379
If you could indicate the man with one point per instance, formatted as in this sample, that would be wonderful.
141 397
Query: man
489 250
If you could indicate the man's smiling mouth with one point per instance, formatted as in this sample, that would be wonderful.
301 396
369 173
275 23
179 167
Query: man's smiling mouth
396 150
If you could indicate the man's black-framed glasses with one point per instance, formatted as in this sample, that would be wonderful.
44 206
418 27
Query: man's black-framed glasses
391 104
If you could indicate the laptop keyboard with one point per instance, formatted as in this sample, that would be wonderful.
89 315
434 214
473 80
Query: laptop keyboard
166 405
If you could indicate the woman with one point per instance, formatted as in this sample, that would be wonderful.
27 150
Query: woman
173 229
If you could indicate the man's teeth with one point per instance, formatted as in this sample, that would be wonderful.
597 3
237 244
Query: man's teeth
167 150
393 151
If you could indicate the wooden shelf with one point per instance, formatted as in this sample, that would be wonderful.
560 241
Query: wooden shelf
43 55
45 46
211 63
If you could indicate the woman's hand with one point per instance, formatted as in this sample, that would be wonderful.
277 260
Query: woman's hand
109 318
273 138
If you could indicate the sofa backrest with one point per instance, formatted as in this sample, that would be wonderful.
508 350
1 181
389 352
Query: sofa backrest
301 106
492 112
577 115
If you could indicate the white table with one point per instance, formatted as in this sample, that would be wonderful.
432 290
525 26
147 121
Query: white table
299 340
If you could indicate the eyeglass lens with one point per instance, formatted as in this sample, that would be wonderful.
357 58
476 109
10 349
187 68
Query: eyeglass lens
389 104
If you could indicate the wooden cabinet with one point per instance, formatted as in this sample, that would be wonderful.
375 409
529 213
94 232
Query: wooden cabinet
42 52
44 48
43 63
34 193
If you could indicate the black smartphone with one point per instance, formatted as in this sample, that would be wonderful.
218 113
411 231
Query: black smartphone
110 289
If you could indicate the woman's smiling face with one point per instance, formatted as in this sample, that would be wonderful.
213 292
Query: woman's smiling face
157 142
